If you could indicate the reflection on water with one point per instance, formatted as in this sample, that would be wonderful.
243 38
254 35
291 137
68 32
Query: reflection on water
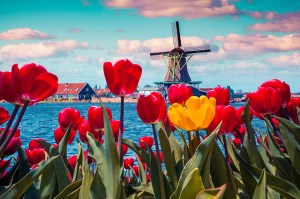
40 121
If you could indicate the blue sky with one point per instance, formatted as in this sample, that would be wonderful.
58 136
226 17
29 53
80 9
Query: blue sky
252 41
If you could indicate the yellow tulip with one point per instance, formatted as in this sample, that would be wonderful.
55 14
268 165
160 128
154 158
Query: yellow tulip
197 113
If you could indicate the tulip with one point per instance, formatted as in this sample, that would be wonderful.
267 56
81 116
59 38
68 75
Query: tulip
197 113
124 148
95 117
152 108
35 156
167 122
115 126
281 87
4 115
4 164
266 100
136 170
12 146
69 116
17 133
296 101
84 128
239 112
291 108
86 156
122 78
59 134
72 161
237 141
179 93
226 115
146 140
161 157
33 144
128 163
221 95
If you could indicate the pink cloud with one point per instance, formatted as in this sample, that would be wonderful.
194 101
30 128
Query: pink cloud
189 9
23 33
285 60
40 50
288 22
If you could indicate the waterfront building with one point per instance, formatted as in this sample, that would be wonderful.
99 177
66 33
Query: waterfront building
74 92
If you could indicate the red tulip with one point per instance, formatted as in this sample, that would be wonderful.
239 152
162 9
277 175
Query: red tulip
239 112
242 130
266 100
33 144
115 126
167 121
4 115
148 177
275 121
122 78
281 87
226 114
161 156
136 170
296 101
237 141
72 161
69 116
95 117
31 83
4 164
179 93
146 140
17 133
12 146
124 148
152 108
35 156
128 162
221 95
59 134
84 128
291 108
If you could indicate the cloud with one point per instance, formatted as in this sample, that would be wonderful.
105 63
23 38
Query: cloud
80 59
285 60
23 33
288 22
74 30
40 50
188 9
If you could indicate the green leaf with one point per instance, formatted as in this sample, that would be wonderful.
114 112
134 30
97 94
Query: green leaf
142 172
48 184
292 147
216 193
201 155
97 188
84 192
144 188
261 189
291 126
185 146
249 150
113 187
69 189
18 189
168 157
79 162
192 185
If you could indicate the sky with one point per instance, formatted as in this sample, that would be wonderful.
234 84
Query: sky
252 41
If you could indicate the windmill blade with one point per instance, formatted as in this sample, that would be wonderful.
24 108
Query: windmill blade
176 34
197 49
159 55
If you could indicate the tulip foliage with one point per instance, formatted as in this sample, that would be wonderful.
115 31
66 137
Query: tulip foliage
211 151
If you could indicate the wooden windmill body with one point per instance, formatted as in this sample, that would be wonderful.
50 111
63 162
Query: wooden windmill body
177 71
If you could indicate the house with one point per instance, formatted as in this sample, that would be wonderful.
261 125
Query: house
74 92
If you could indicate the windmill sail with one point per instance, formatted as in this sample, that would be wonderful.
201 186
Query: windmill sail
176 34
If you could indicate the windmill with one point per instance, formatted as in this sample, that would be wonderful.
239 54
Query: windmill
177 59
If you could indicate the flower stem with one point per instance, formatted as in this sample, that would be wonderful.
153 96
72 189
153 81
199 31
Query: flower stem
120 130
276 130
11 119
11 134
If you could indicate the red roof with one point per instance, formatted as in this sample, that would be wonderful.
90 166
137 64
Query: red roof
69 88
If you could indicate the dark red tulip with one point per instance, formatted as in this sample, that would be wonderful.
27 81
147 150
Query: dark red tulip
4 164
115 126
17 133
179 93
237 141
69 116
128 162
266 100
95 117
72 161
84 128
146 140
221 95
148 177
292 112
33 144
161 157
35 156
152 108
226 114
89 158
31 83
124 148
281 87
123 77
275 121
59 134
239 112
296 101
4 115
13 146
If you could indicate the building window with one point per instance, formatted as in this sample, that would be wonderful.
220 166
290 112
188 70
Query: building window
87 89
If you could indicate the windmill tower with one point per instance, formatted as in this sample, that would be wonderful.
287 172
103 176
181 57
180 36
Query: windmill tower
177 59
